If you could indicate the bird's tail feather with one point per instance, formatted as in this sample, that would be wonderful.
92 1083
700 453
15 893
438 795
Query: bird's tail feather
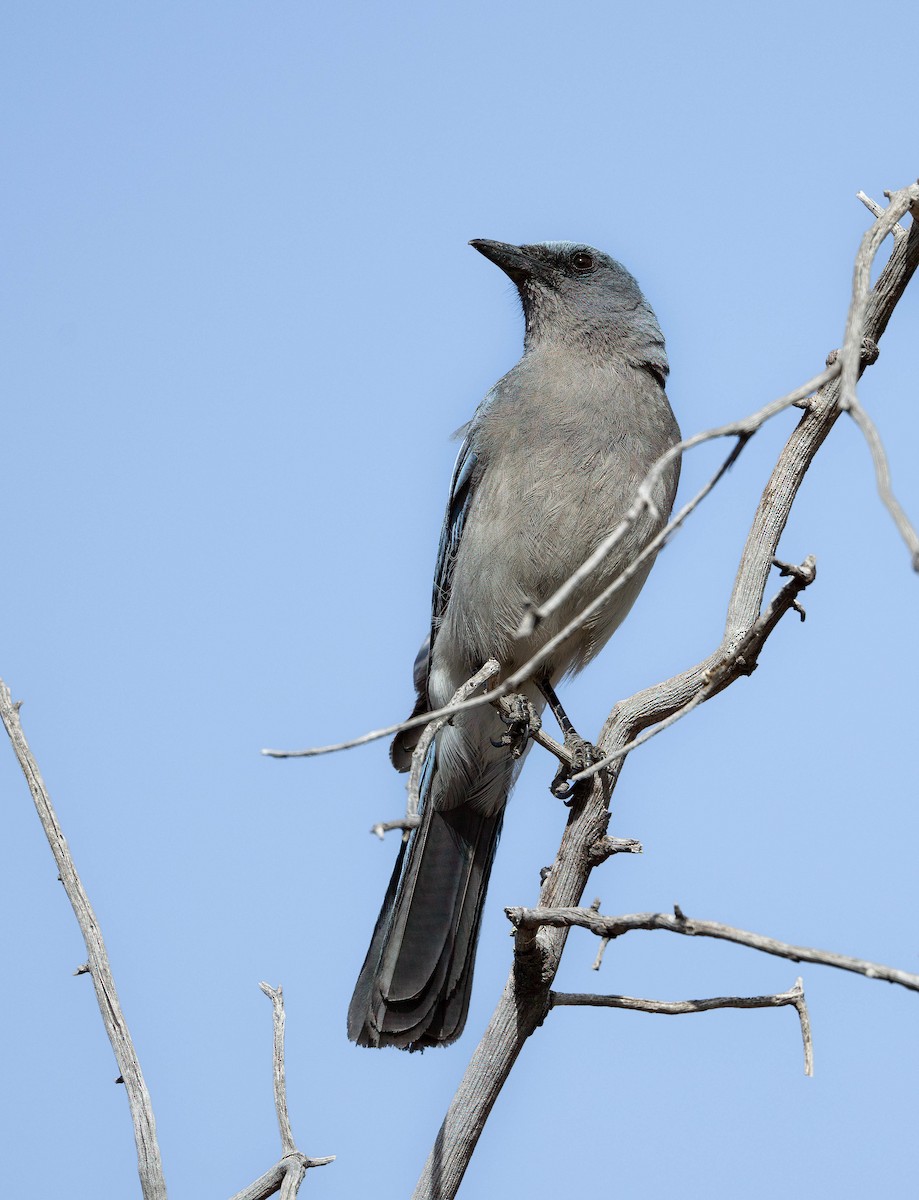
414 987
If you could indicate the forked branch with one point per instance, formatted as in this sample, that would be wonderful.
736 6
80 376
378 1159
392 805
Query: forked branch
526 998
287 1175
677 1008
609 928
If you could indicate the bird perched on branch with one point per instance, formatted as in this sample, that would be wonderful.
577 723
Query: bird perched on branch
550 463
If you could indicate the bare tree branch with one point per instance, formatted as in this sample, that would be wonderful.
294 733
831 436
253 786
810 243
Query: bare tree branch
524 1003
442 715
882 474
288 1145
404 823
609 928
675 1008
850 355
878 210
149 1162
285 1176
906 200
603 849
740 660
266 1185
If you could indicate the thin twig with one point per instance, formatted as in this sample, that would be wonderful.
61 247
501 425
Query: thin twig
285 1176
605 847
601 950
435 715
319 1162
406 824
735 661
882 474
609 928
704 693
877 210
850 355
276 996
373 735
794 998
149 1162
666 1008
806 1037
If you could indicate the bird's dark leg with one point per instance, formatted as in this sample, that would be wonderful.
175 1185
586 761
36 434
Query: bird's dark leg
583 753
521 719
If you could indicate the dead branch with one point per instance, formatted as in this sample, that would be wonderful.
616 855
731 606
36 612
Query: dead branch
737 661
524 1003
609 928
280 1082
603 849
406 824
882 476
674 1008
285 1176
149 1162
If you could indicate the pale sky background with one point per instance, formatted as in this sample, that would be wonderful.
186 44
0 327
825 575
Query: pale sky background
241 321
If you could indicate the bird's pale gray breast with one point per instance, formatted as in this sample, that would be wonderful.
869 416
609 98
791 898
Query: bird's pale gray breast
557 473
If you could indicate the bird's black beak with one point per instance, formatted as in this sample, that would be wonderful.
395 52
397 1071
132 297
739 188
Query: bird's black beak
513 260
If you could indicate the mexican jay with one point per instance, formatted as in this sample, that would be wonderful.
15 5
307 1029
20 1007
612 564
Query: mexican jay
550 462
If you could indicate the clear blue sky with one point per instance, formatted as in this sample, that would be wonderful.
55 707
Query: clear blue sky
240 322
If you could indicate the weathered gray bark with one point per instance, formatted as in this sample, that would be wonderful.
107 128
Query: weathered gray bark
524 1002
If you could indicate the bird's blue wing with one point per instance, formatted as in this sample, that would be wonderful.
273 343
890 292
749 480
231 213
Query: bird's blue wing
462 487
465 477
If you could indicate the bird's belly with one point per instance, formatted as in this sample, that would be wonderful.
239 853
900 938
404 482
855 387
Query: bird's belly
526 541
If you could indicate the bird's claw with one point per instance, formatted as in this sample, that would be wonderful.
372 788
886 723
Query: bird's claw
521 719
583 755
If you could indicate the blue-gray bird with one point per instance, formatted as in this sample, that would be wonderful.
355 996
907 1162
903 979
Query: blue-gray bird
549 464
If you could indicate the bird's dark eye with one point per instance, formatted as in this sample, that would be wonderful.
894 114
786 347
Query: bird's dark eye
582 262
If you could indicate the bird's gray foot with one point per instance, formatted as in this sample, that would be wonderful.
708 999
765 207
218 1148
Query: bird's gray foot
521 719
583 755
